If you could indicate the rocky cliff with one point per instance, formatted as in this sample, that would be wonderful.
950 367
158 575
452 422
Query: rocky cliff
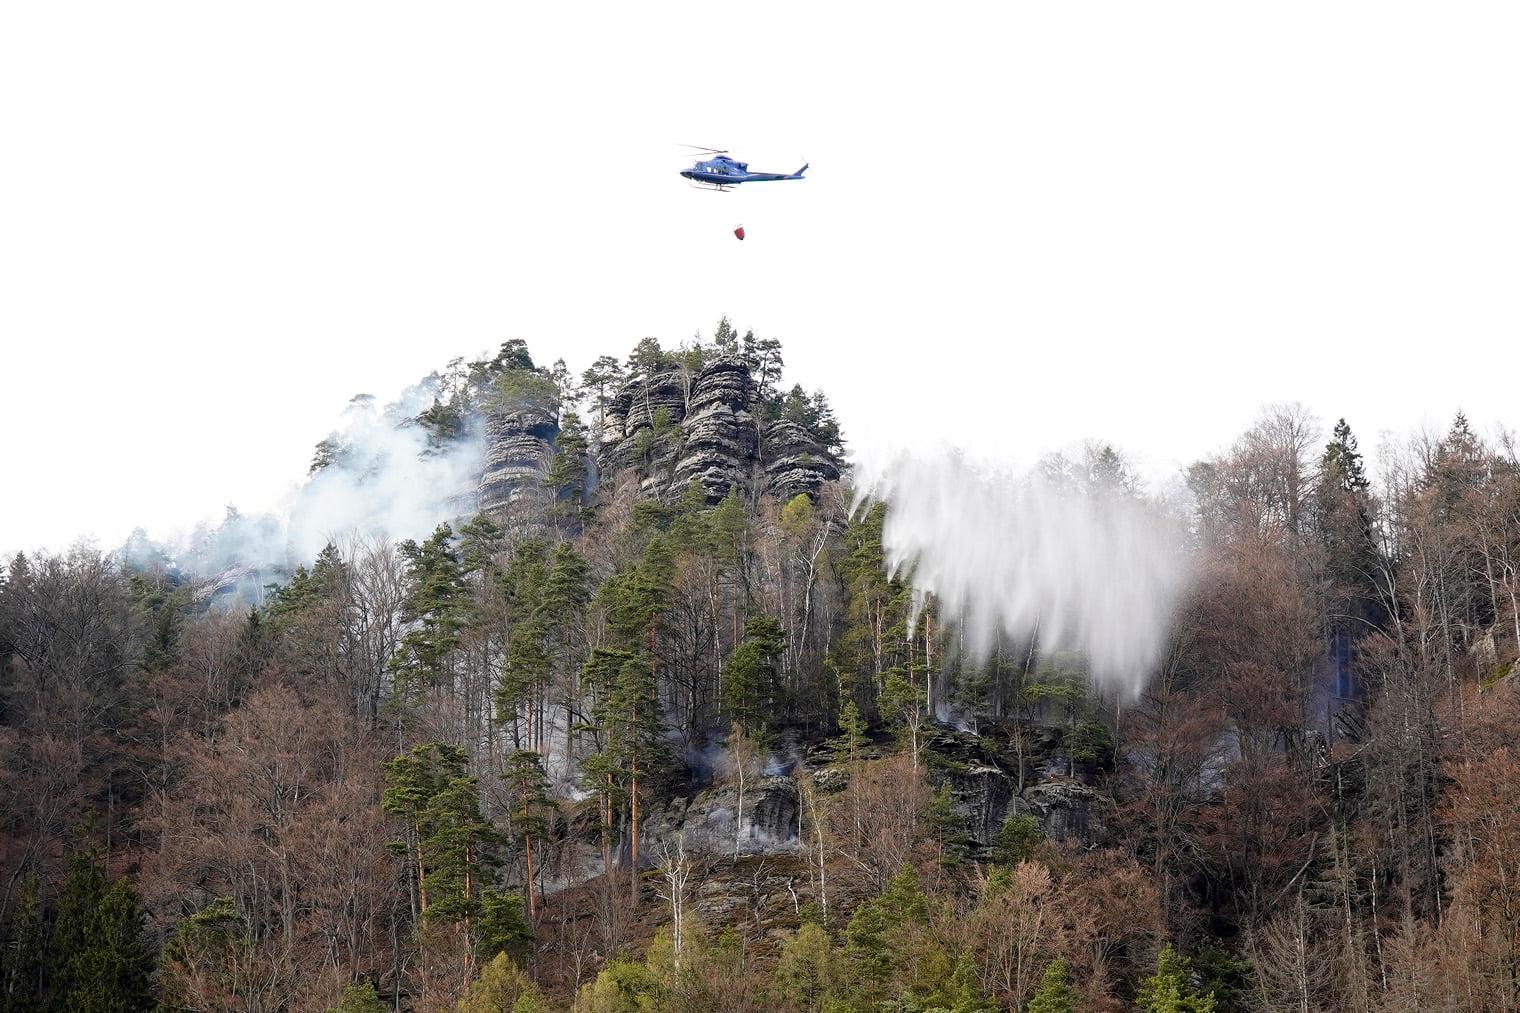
518 448
678 427
711 426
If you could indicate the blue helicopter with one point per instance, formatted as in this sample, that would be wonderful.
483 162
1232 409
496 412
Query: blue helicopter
720 172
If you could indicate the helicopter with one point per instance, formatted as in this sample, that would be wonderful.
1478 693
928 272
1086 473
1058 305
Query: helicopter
719 172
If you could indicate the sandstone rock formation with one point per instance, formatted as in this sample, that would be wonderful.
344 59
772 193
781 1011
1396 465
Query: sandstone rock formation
519 444
794 462
677 427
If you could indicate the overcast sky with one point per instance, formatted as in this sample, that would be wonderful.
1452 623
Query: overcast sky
1025 224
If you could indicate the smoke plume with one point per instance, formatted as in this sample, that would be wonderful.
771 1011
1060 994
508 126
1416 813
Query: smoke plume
1079 565
385 476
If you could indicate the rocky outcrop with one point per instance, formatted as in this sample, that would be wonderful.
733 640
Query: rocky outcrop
672 430
984 788
795 462
519 444
676 428
1068 811
719 438
641 430
714 824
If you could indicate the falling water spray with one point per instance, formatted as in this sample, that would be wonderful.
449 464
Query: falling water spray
1097 571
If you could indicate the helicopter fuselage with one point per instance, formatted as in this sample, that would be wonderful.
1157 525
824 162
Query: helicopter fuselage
727 172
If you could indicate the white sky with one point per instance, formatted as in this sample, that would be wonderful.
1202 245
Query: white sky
1025 224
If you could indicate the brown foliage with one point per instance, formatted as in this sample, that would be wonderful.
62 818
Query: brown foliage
280 813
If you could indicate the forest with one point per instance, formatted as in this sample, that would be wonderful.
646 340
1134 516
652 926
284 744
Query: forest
646 734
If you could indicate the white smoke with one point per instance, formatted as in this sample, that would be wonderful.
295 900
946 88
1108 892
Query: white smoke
1098 571
384 479
389 482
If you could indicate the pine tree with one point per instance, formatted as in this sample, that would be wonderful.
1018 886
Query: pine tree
481 541
601 379
452 847
873 935
877 605
501 927
23 961
461 848
523 677
101 961
503 988
1017 839
360 997
528 787
444 423
636 738
566 589
1054 995
806 971
1171 989
849 746
766 360
903 708
635 601
751 682
725 338
437 606
647 360
566 477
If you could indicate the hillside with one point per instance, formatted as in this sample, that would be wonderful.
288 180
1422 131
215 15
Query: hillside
627 708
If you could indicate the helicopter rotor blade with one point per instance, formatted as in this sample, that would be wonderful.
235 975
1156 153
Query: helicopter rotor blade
710 151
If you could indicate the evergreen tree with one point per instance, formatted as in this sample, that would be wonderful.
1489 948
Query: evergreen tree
101 961
877 605
765 359
806 973
23 961
529 663
872 937
1171 989
849 747
211 945
566 477
751 682
1055 995
902 705
452 847
481 541
1352 559
513 357
329 452
528 787
502 926
564 382
647 360
602 379
306 591
944 818
461 850
444 423
725 338
1017 839
636 736
566 589
437 607
503 988
360 997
